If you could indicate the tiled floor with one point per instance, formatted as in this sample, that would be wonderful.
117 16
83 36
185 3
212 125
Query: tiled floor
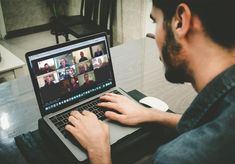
20 45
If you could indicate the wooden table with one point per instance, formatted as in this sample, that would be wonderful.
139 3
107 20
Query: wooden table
136 66
10 65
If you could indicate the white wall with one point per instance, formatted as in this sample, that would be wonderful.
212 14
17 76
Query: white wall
133 20
73 7
2 24
149 25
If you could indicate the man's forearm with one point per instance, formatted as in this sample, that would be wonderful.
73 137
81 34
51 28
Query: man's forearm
164 118
102 156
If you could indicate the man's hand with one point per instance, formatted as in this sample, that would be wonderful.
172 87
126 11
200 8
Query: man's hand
131 113
92 134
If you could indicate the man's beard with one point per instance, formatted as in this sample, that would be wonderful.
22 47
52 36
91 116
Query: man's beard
175 70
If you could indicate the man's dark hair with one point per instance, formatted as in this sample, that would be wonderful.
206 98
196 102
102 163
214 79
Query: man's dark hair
216 17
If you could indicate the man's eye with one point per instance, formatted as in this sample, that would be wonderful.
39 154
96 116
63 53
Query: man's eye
153 19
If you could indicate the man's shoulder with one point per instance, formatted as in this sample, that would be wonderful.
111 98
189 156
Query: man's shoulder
230 96
226 105
211 142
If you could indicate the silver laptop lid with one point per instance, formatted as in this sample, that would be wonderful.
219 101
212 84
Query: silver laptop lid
68 73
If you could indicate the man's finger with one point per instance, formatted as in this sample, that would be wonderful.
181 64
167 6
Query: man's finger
87 113
108 97
110 94
73 121
110 105
74 131
113 95
70 128
114 116
76 114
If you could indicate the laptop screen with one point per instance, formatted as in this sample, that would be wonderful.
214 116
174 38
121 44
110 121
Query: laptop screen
69 73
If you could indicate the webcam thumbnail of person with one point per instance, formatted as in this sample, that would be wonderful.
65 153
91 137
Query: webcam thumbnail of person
66 73
87 79
81 55
98 50
99 62
46 66
48 79
63 61
85 66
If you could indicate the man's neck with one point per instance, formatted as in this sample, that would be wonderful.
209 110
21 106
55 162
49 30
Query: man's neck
208 61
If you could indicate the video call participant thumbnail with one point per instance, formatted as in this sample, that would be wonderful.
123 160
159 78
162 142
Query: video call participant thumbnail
98 50
51 88
45 66
100 62
84 67
101 68
63 63
81 55
74 84
87 80
70 72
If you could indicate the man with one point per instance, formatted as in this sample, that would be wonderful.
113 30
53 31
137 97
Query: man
98 52
196 38
74 85
87 81
50 88
63 63
47 68
48 81
70 72
82 57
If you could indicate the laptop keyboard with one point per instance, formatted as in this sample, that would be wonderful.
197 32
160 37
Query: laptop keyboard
61 120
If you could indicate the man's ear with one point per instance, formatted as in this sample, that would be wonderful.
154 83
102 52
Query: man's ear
182 20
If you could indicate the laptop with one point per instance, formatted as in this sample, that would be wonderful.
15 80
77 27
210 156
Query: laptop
72 76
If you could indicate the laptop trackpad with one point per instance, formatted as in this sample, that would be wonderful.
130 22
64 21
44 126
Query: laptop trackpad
118 131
